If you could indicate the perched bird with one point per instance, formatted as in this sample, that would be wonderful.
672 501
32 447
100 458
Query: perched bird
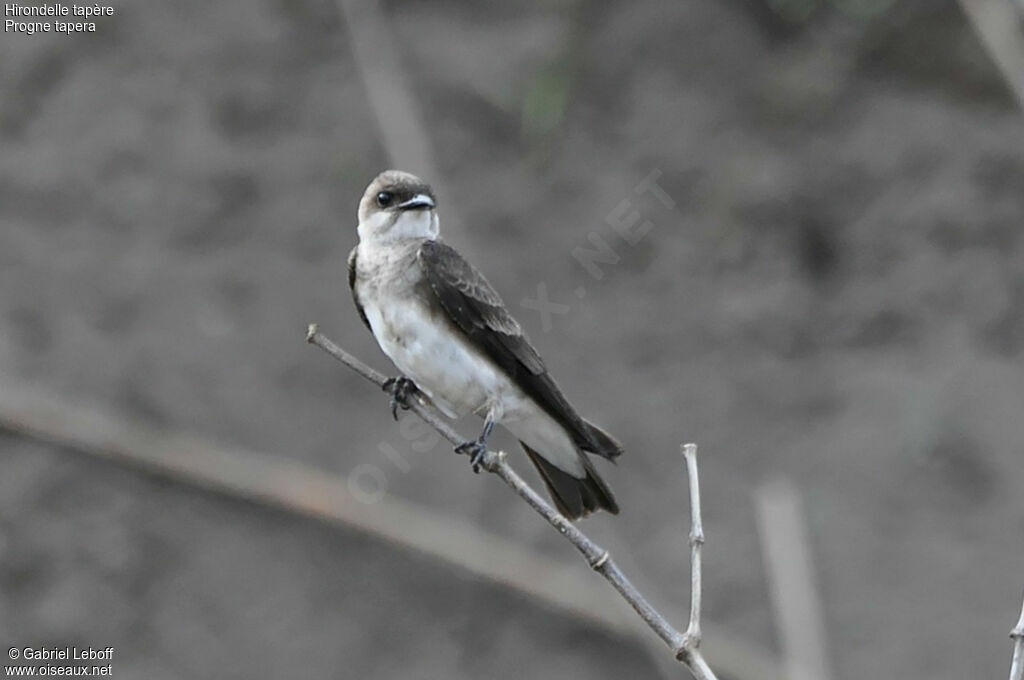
449 334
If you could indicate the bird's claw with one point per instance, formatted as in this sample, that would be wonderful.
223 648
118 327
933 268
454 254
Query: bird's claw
400 389
476 450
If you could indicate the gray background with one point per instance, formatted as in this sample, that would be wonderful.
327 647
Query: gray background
836 297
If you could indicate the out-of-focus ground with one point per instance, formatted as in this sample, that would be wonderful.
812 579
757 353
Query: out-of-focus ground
837 297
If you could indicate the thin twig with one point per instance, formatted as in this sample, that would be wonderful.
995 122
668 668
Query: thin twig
1017 635
685 648
693 633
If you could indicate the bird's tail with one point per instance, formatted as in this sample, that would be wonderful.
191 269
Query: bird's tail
574 497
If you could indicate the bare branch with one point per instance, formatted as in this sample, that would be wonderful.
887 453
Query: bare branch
1017 635
693 633
685 647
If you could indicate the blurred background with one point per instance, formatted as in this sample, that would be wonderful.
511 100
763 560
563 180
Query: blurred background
826 293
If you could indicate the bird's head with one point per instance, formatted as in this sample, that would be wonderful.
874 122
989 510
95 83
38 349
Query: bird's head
397 205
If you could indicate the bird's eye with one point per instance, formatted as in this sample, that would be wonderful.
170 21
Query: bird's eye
384 198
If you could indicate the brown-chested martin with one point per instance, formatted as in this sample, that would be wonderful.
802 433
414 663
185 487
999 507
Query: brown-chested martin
448 332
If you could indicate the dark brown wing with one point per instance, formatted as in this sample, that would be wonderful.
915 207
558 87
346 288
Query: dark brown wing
352 285
475 308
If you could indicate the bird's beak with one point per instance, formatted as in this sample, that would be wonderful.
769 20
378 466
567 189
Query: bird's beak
417 202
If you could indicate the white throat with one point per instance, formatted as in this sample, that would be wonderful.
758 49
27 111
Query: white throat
385 226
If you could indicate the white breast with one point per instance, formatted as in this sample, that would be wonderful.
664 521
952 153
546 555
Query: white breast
452 373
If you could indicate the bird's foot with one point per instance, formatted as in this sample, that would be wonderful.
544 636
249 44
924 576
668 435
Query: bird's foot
400 389
476 450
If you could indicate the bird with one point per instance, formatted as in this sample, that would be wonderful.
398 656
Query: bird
453 340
